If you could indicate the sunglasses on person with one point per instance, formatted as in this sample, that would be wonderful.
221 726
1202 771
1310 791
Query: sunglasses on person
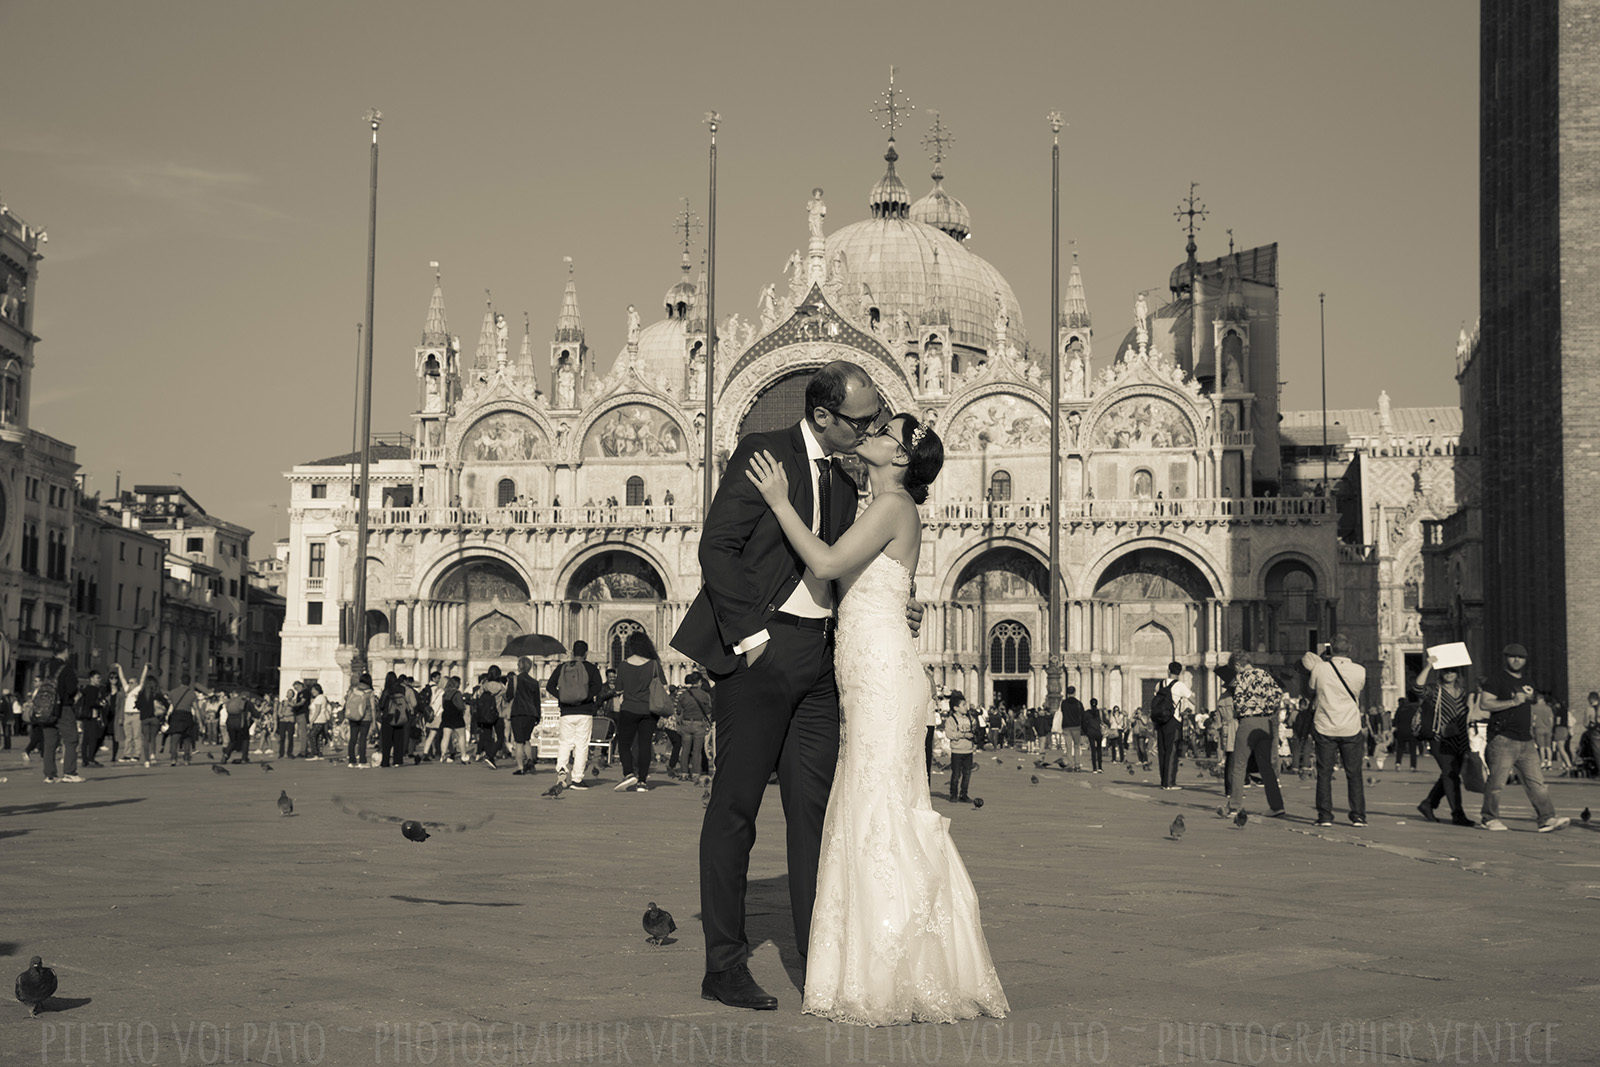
866 425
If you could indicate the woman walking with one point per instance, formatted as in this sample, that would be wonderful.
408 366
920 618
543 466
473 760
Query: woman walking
1442 702
358 713
394 712
636 723
452 721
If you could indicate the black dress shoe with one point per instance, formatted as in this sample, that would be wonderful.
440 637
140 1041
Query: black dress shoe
737 989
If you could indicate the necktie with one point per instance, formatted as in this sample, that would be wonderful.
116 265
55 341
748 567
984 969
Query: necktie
824 486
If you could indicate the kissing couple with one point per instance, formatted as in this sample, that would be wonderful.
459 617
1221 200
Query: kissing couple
885 916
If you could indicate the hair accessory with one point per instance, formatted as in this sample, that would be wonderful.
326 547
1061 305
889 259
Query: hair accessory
916 436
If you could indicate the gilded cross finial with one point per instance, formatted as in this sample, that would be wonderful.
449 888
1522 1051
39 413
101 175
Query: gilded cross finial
688 223
939 138
568 261
1191 211
1230 242
373 116
890 106
1054 118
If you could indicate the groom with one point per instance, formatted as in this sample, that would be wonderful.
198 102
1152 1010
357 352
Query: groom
763 626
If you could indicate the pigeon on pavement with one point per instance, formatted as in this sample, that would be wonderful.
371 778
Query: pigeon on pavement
285 805
658 924
1584 816
266 768
1061 763
1240 819
1130 769
1034 778
557 789
977 802
1177 827
413 831
35 985
217 768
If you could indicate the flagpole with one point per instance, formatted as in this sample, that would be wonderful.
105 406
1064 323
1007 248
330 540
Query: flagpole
1053 687
358 661
1322 327
713 118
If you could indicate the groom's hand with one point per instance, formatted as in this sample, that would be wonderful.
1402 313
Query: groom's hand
914 612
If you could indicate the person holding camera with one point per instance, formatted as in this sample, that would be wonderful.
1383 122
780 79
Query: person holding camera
1338 726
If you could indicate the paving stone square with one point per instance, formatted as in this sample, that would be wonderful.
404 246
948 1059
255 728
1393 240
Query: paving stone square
190 923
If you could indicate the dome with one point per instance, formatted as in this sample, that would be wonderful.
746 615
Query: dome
683 296
942 211
663 353
907 264
889 198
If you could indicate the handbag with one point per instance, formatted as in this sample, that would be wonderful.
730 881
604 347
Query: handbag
1428 725
1474 775
660 699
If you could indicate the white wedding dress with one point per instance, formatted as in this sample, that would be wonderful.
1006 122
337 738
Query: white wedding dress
895 935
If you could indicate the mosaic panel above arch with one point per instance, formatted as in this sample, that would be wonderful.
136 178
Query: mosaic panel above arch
616 575
634 430
505 436
1143 421
1009 420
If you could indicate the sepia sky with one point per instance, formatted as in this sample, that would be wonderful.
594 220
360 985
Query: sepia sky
202 171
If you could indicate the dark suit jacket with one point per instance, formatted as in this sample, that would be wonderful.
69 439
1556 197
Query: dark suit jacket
747 566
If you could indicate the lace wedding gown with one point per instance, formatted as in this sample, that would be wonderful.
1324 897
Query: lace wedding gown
895 936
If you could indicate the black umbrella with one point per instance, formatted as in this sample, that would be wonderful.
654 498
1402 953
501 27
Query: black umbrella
534 645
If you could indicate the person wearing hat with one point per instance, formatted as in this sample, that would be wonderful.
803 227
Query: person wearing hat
1508 698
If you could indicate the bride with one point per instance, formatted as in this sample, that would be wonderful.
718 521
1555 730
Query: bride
896 936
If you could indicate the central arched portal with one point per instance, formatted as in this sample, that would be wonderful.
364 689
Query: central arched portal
612 594
1155 605
1000 602
490 602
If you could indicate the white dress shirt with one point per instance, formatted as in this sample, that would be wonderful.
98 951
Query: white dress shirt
813 597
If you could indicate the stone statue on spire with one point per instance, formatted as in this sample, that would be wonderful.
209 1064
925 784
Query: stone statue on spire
1141 324
633 327
816 211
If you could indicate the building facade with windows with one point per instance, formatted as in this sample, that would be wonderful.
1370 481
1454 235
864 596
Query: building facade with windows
539 493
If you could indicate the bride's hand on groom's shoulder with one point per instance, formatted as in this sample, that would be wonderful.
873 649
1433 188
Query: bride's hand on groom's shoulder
769 477
914 612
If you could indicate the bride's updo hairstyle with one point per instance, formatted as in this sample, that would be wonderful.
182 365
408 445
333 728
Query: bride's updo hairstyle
927 456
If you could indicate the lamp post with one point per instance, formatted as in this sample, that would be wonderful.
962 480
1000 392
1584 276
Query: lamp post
712 119
358 661
1052 684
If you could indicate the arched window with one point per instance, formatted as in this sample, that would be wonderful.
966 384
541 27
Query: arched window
1000 486
619 639
635 492
506 493
1143 485
1010 650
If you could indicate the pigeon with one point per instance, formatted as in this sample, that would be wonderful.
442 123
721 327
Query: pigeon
217 768
1239 820
35 985
658 924
1177 827
1034 778
557 789
1222 812
413 831
1200 774
266 768
977 802
1130 769
1584 816
1061 763
285 805
997 759
363 814
211 755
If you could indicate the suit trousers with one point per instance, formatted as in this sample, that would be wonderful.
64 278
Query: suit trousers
783 714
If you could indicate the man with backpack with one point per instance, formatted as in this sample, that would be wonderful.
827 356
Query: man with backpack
1166 707
50 710
575 683
486 715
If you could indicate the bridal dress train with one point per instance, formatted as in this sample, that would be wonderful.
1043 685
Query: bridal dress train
895 936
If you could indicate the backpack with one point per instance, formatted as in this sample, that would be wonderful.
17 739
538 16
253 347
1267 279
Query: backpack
1161 705
44 706
572 683
485 708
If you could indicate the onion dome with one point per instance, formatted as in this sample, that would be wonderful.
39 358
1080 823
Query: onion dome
890 199
942 211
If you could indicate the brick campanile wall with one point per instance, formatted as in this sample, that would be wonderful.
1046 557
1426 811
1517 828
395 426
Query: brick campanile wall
1540 303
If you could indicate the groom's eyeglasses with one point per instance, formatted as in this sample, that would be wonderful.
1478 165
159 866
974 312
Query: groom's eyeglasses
866 425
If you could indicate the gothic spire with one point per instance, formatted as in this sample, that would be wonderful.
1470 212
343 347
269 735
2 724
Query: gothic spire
486 336
569 324
434 330
1075 308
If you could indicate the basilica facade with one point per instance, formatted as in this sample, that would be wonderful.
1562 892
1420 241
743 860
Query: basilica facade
540 493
